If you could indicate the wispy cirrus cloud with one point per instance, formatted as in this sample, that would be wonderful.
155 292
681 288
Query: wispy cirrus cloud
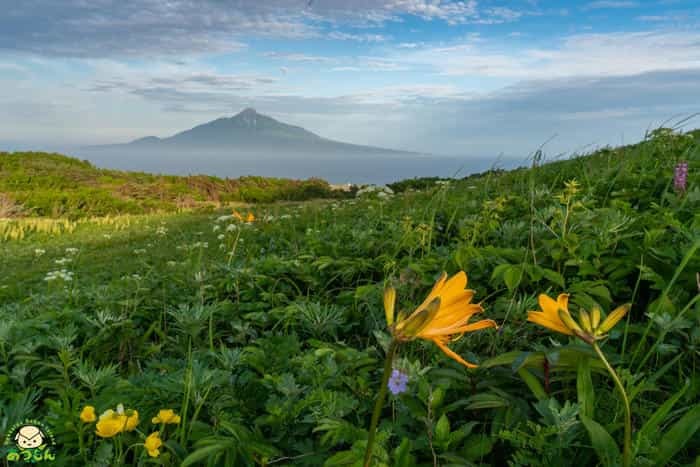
146 28
609 54
610 4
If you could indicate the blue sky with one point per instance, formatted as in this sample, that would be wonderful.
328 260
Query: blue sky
449 77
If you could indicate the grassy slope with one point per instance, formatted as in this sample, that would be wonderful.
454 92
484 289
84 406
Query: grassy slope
60 186
619 237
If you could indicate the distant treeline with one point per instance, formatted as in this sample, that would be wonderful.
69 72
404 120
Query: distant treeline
54 185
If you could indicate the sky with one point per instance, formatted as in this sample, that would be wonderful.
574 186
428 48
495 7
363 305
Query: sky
482 78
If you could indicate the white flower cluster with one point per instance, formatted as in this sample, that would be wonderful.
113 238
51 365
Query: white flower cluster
63 275
162 231
231 227
71 251
380 191
139 251
39 252
62 261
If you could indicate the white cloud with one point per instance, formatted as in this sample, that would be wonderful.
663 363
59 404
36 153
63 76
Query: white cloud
610 54
610 4
300 57
344 36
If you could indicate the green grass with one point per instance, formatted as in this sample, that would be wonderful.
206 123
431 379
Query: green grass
53 185
271 347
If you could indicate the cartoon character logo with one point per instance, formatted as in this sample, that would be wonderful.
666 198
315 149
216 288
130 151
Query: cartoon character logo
33 442
29 436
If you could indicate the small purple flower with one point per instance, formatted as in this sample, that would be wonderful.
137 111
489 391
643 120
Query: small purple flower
398 382
680 176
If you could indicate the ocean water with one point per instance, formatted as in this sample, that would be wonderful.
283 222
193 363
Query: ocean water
368 169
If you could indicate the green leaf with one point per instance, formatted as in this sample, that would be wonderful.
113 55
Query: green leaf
477 447
486 401
603 443
584 387
554 276
402 454
203 453
512 277
533 383
442 429
678 435
651 427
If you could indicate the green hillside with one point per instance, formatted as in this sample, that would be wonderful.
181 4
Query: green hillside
270 342
53 185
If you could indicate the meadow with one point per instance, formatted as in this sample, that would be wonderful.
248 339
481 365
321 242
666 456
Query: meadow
300 333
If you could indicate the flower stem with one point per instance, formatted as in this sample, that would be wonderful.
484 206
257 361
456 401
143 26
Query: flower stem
380 401
627 450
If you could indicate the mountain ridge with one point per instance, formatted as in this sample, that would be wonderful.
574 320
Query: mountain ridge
250 130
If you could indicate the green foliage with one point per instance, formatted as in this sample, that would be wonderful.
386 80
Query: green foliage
266 337
52 185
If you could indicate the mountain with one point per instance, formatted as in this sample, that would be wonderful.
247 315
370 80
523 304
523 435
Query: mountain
253 143
246 128
250 131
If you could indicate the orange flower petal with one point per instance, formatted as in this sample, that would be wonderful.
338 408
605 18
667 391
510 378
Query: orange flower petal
454 356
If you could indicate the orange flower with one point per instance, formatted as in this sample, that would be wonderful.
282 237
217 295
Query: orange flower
549 316
556 316
442 317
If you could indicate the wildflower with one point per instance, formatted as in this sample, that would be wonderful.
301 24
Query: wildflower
398 382
162 231
220 236
110 424
71 251
216 228
250 217
555 315
444 315
63 275
107 236
139 251
167 416
680 176
231 227
39 252
132 420
87 415
153 444
62 261
237 216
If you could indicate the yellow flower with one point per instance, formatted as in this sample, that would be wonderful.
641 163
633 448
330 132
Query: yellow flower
153 444
237 215
442 317
110 424
250 217
556 316
87 415
549 316
132 420
167 416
